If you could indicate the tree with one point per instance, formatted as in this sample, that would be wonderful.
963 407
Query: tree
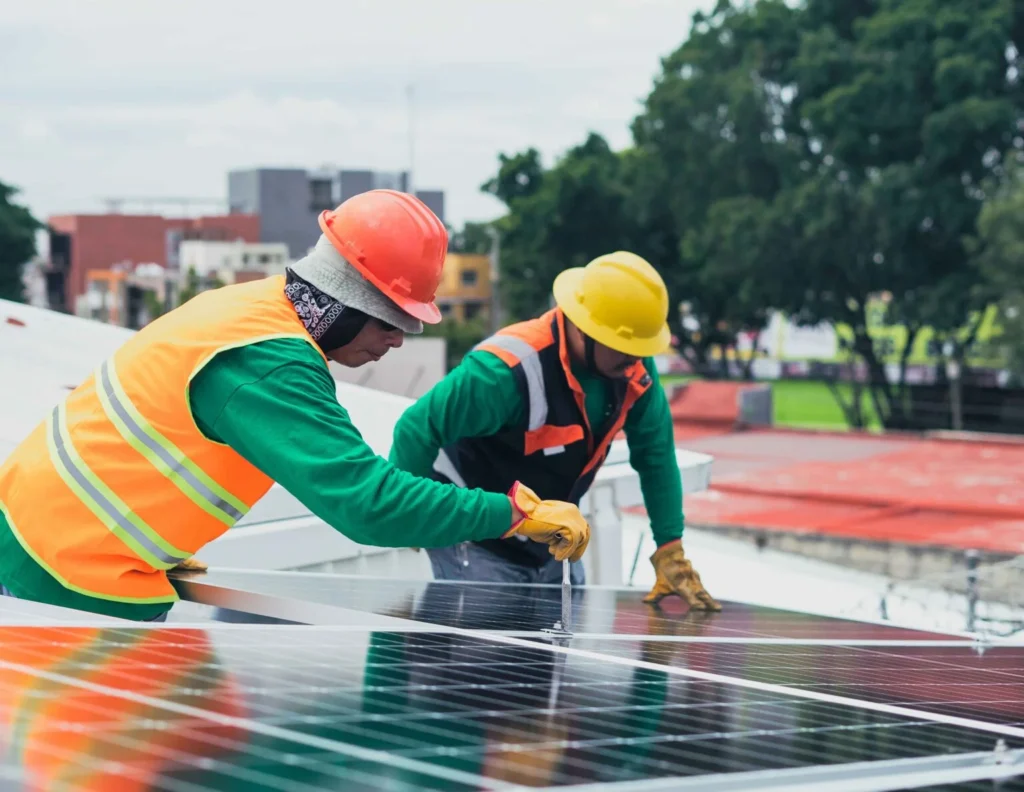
559 218
898 112
17 243
999 251
473 239
460 337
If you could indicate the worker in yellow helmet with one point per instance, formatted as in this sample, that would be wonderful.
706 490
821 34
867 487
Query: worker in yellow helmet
540 402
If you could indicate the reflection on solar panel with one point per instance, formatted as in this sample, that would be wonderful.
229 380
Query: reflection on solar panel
516 608
451 686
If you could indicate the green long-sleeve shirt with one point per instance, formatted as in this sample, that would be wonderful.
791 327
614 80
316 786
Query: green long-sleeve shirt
275 403
479 397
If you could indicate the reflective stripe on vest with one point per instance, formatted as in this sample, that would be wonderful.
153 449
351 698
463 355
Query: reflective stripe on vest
530 361
162 453
119 484
103 502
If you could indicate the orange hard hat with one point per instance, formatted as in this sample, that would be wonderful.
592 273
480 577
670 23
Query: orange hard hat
396 243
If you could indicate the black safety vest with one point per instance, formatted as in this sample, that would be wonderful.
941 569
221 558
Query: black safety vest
554 450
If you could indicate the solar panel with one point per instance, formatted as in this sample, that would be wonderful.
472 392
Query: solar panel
968 681
521 608
301 708
17 611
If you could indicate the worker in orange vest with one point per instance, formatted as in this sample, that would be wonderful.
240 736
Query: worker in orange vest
186 426
540 402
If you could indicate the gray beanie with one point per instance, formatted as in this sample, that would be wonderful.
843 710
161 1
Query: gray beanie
326 269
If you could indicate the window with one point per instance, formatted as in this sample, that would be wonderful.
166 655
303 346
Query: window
472 310
469 277
446 309
321 194
265 258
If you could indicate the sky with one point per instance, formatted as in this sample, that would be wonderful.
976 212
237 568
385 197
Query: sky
111 98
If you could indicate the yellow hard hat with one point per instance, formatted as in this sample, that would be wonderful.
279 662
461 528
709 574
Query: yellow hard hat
618 300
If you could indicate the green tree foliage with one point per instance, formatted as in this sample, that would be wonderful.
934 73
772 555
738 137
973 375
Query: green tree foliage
800 158
17 243
460 337
559 218
999 249
472 239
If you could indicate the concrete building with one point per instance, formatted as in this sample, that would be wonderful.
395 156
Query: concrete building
129 297
289 200
81 243
465 289
434 199
231 262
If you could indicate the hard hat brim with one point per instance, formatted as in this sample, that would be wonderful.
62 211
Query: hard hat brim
567 285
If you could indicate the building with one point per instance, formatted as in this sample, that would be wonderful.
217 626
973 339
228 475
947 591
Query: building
465 289
289 200
232 262
129 297
82 243
434 199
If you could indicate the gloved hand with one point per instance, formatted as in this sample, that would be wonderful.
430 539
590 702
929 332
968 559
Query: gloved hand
190 565
558 524
675 575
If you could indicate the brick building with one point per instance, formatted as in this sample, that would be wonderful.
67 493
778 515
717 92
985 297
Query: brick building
82 243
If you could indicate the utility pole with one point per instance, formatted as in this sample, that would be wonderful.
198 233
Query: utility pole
409 95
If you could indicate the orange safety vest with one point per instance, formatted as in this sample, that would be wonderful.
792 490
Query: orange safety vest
555 451
118 484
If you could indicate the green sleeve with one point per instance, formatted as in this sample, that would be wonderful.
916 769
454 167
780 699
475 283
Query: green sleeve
275 403
478 398
652 454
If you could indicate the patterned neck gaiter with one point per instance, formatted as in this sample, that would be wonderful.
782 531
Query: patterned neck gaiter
331 324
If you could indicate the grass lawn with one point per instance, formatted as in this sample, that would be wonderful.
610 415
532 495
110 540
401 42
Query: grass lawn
811 404
808 404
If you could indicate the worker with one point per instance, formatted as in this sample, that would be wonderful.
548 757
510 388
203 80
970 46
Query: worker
186 426
540 402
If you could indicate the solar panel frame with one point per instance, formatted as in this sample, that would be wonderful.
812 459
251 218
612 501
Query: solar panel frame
513 609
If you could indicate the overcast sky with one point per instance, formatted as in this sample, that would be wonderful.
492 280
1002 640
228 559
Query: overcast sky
106 98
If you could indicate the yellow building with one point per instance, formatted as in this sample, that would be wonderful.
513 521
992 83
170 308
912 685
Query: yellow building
465 290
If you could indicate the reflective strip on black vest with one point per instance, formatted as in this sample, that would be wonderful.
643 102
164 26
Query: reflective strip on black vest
529 359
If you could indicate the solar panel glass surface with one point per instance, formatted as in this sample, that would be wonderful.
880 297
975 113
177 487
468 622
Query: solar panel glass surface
533 608
294 708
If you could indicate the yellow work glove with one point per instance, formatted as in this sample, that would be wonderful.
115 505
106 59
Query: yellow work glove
677 576
556 523
190 565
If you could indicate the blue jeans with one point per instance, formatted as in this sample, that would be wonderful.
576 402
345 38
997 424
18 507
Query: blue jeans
5 592
470 562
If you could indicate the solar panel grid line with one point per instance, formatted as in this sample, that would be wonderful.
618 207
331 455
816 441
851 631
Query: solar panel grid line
447 603
221 771
85 770
872 776
959 680
744 641
324 764
355 752
841 700
752 751
809 611
477 685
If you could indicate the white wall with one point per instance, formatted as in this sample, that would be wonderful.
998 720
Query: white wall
224 259
409 371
